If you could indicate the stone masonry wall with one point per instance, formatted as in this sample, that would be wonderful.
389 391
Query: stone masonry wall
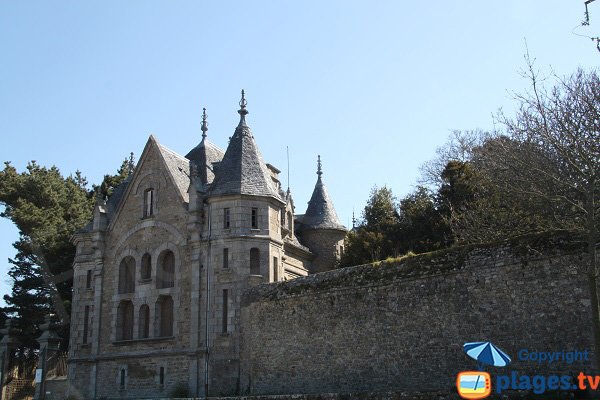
400 326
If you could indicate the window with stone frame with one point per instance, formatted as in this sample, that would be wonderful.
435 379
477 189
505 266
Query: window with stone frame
225 316
254 261
226 218
166 270
127 275
86 324
225 257
88 279
146 270
144 322
255 218
149 206
164 316
125 320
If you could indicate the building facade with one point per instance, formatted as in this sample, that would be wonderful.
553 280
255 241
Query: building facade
160 270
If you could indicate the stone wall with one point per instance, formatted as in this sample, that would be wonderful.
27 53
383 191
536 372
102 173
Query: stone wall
400 326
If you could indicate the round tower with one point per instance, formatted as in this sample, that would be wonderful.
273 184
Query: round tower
320 228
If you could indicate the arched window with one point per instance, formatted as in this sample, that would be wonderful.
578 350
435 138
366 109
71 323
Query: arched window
164 313
166 270
148 202
254 261
146 272
144 322
127 275
125 320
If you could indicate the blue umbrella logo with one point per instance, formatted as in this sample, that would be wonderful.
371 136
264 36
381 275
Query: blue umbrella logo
486 353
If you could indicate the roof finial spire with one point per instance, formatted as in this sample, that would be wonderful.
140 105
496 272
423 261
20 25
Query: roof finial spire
204 127
353 220
319 171
242 111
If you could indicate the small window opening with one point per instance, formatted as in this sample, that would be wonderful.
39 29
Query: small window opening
149 202
226 218
254 218
86 321
122 383
88 279
225 310
225 258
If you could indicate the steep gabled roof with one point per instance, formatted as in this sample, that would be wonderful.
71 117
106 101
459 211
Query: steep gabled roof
242 169
176 166
179 169
320 213
205 154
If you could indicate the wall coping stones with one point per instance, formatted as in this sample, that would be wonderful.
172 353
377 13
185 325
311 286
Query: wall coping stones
521 249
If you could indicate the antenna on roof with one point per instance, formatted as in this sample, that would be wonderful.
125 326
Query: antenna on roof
287 149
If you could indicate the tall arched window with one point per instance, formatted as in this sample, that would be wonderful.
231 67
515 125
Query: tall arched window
144 322
125 320
166 270
127 275
146 272
164 313
254 261
148 202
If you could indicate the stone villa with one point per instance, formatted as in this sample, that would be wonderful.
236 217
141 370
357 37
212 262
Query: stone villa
160 269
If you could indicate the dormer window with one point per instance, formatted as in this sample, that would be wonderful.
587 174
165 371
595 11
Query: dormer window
148 203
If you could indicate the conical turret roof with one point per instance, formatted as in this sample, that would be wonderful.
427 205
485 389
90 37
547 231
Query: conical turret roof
320 213
243 170
205 154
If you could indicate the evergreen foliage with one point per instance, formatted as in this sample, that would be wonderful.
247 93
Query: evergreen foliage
48 209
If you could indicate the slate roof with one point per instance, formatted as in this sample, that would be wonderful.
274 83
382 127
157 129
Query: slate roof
320 213
242 169
179 168
204 155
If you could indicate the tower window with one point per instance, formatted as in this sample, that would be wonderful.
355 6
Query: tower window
225 310
88 279
254 261
149 202
225 258
255 218
86 321
122 378
226 218
275 269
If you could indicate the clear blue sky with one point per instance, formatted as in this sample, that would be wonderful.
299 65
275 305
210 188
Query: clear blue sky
374 87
